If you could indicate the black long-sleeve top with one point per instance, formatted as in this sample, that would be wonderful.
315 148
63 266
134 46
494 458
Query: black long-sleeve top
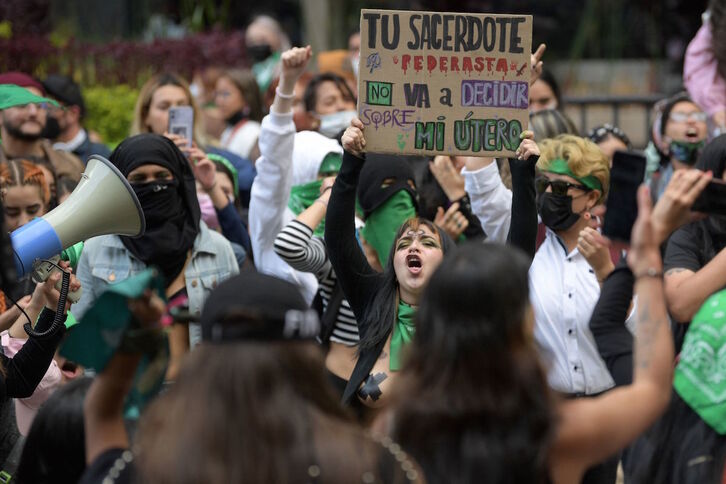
607 323
24 371
358 279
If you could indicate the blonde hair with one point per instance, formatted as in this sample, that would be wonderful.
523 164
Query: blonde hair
583 157
143 103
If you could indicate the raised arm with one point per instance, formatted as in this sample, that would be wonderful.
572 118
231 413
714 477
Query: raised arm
24 371
230 221
491 201
523 229
593 429
296 245
104 404
356 276
271 188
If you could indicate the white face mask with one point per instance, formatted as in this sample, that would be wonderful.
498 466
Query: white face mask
332 124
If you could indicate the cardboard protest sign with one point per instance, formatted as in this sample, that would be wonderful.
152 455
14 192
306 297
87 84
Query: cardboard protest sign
444 83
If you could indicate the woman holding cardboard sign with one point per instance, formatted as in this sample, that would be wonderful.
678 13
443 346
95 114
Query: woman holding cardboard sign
385 304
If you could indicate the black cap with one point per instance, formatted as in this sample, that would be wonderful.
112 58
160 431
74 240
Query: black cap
64 90
257 307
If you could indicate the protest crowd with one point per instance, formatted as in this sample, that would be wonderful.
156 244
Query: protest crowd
304 308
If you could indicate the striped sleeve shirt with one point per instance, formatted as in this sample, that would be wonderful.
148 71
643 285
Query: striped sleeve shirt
297 246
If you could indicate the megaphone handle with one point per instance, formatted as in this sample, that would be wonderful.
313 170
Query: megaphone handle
73 296
42 271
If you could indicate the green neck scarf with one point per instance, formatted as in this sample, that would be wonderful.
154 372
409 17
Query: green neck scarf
700 377
302 196
560 167
403 331
382 225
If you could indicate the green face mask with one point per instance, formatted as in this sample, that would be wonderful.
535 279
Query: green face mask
302 196
700 377
686 152
382 225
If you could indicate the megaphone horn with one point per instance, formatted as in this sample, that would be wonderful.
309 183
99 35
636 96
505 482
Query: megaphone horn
102 203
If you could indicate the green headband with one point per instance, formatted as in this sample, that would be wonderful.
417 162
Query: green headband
700 377
228 165
560 167
12 95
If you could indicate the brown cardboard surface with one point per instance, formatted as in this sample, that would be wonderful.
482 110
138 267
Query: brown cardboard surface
444 83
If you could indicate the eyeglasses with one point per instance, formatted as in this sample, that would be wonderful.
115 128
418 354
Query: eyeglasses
559 187
683 117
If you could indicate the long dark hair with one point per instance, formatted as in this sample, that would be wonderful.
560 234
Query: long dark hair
473 403
382 312
680 448
55 449
254 412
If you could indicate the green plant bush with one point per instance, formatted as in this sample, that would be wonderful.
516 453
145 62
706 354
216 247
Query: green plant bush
109 111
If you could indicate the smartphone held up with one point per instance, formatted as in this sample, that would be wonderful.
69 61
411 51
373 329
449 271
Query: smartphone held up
181 122
626 175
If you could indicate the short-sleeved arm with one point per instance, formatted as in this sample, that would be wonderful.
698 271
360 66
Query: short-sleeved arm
684 250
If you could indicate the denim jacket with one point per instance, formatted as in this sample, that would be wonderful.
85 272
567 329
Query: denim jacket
105 260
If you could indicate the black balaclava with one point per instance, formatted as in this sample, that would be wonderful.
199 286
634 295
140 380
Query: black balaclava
713 158
170 207
376 169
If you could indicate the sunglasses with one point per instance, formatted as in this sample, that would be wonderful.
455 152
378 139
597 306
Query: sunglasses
559 187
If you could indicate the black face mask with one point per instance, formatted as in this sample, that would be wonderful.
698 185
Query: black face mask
168 236
556 211
52 128
258 53
160 200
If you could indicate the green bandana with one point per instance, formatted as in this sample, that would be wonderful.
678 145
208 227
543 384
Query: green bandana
700 377
685 151
302 196
403 332
73 254
382 225
12 95
229 166
331 164
560 167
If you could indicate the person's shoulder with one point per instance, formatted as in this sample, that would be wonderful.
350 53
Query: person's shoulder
95 245
210 240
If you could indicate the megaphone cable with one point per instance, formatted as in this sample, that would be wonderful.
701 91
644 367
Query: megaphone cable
59 312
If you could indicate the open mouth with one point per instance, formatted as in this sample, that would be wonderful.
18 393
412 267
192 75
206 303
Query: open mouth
69 369
692 134
413 262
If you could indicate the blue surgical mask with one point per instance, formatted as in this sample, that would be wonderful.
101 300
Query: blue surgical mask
332 124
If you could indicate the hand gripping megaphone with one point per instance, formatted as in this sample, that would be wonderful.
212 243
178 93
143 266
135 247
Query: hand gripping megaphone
102 203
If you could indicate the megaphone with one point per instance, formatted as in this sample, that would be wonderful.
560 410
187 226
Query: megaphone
102 203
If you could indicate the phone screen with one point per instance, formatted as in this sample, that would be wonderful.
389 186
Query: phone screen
626 175
181 122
